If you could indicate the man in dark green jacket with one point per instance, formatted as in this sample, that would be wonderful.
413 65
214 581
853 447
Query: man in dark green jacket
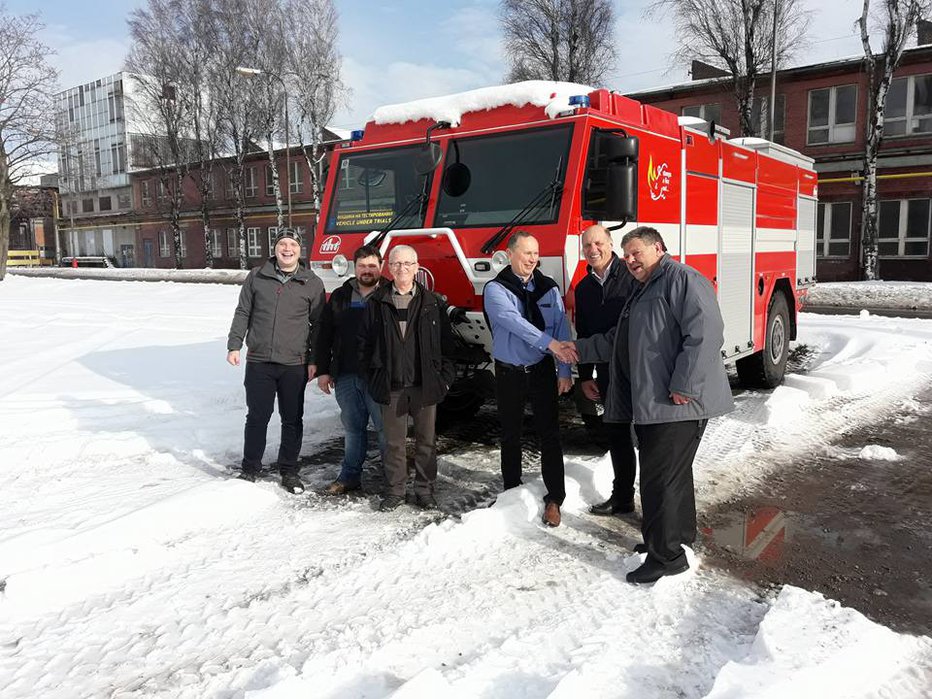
279 306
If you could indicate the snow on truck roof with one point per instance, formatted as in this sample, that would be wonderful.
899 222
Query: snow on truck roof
552 95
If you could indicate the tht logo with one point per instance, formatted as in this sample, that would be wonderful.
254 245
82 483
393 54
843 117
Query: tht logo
331 244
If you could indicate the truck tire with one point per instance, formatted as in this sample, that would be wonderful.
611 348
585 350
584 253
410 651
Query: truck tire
765 369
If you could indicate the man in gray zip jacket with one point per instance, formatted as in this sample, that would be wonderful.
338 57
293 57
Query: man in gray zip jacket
279 306
668 379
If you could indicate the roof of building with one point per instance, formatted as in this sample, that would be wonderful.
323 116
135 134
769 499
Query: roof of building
823 67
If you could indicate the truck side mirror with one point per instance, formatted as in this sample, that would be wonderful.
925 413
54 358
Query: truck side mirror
427 158
456 179
610 192
622 196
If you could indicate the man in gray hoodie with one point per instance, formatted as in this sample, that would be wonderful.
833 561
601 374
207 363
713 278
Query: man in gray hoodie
666 378
279 306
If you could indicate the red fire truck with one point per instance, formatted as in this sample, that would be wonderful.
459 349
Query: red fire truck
454 176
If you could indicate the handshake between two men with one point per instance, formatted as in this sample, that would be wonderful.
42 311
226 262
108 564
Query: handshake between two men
564 351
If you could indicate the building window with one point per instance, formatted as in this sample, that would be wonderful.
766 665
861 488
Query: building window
760 117
216 243
97 163
145 193
87 206
229 186
105 204
161 191
709 112
273 231
903 228
833 235
294 178
250 187
123 201
832 114
269 181
182 243
253 246
118 158
233 242
164 247
909 106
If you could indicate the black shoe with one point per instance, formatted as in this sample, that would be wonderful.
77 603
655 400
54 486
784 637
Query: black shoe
340 488
426 501
292 483
614 506
651 571
390 502
640 548
250 476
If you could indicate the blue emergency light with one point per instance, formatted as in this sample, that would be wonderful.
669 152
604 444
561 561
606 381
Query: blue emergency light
356 135
580 101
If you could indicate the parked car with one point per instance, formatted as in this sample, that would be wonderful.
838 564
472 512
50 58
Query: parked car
87 261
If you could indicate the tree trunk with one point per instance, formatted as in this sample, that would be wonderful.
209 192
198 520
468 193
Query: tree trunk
4 231
276 185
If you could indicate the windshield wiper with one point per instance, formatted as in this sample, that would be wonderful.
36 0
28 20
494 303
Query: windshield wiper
418 200
552 190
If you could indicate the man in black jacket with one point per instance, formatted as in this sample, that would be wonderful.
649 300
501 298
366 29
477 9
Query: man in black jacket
405 347
279 306
338 366
600 297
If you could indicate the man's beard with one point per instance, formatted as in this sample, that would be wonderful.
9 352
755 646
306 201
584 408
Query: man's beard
367 280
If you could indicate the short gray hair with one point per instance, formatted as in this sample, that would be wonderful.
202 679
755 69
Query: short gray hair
402 248
516 236
645 233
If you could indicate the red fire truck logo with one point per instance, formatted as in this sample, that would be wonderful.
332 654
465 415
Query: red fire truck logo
658 179
426 278
331 244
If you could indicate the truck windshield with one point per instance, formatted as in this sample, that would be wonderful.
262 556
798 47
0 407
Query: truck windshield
372 187
506 172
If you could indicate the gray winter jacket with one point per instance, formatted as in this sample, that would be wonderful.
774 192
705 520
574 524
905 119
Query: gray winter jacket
277 319
675 338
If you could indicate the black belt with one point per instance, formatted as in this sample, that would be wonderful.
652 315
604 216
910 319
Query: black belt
523 368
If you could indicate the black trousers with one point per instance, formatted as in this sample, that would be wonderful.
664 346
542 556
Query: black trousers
624 461
264 382
668 497
514 387
620 444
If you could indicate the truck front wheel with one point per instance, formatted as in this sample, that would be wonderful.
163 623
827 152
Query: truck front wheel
765 369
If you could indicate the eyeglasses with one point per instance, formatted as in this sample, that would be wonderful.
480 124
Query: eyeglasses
399 265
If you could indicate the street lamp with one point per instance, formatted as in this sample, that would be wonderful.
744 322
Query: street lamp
243 70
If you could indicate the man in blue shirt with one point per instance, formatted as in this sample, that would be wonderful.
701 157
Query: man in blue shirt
526 317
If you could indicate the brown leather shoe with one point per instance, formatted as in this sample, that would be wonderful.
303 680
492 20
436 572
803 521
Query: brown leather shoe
552 514
340 488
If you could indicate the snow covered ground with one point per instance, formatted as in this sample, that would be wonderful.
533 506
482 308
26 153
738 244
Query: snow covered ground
130 563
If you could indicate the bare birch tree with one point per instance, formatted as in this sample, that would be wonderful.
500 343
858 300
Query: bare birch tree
316 88
896 20
737 37
568 40
28 129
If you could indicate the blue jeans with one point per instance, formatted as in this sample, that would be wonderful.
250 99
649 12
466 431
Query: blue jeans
356 409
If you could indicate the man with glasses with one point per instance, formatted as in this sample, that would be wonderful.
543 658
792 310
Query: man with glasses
338 366
405 346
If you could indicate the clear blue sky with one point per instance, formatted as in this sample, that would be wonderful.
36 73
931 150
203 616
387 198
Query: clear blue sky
418 48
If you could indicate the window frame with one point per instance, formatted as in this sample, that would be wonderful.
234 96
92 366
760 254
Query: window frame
824 237
216 243
902 229
164 245
253 243
832 123
910 116
233 243
250 186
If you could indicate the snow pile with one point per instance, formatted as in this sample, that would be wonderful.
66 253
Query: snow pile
875 452
201 276
808 646
878 294
540 93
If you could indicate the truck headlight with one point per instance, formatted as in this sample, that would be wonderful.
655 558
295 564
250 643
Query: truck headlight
340 265
499 260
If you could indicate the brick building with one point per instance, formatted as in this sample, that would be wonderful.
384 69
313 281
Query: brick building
154 238
821 111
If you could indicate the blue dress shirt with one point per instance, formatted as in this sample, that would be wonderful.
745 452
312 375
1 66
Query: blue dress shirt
515 340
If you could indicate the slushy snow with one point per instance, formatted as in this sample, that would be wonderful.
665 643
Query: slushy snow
132 564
